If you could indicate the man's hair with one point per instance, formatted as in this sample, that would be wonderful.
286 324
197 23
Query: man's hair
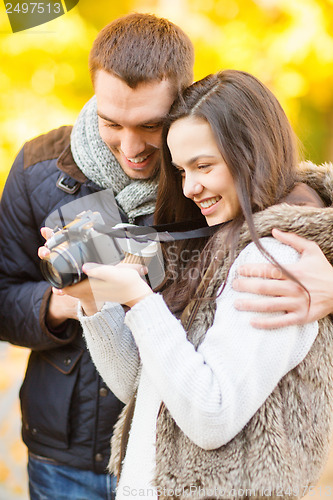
141 48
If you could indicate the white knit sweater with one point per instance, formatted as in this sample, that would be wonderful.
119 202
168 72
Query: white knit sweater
212 392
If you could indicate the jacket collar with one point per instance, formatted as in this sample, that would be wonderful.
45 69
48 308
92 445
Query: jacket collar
67 165
303 195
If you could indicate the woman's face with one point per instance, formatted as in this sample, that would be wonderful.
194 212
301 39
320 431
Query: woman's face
206 179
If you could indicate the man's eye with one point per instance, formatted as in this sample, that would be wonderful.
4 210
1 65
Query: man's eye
111 125
152 127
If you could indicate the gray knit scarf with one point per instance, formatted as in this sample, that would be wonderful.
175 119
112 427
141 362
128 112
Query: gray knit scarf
95 160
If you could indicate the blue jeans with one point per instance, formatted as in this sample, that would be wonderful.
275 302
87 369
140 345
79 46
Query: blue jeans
52 481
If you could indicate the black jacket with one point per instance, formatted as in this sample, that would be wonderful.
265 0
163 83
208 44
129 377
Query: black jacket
67 411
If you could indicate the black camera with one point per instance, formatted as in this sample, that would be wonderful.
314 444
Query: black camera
87 239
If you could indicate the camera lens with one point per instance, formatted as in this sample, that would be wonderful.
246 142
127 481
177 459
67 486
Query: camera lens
63 267
51 272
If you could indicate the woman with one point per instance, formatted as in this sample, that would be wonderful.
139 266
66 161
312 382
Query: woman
222 410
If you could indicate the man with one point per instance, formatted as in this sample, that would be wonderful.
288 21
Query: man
138 63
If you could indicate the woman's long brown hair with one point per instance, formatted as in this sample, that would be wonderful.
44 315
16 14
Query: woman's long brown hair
257 143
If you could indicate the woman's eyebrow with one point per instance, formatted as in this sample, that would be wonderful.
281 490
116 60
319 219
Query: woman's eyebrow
198 157
194 159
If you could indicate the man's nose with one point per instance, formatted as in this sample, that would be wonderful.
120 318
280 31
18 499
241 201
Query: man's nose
132 143
191 186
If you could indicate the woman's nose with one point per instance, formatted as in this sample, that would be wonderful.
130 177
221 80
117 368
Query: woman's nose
191 186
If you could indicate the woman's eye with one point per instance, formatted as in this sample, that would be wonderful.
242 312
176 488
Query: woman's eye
203 166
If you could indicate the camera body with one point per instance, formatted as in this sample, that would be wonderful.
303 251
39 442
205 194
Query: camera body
87 239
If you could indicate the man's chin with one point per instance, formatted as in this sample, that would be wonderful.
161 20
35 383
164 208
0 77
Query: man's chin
143 176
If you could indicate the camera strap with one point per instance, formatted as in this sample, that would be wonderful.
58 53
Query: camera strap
162 233
185 230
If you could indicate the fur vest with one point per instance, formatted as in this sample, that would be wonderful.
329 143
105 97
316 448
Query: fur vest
281 451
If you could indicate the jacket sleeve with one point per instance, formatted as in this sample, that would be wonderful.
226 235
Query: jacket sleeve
234 370
113 349
24 295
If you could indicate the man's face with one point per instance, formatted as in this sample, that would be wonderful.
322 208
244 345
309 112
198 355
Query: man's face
130 121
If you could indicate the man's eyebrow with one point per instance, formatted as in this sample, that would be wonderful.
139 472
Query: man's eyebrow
152 121
106 118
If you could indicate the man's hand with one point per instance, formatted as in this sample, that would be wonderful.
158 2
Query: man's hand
61 306
82 291
284 295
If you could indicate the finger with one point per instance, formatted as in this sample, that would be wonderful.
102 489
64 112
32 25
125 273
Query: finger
94 270
272 305
275 288
282 321
43 252
260 271
297 242
78 288
142 270
57 291
46 232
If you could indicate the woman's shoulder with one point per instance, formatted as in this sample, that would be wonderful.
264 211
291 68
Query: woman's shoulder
284 254
251 254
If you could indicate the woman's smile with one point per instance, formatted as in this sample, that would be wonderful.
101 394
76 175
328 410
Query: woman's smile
208 205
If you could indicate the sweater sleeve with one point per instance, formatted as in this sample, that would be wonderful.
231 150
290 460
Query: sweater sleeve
112 349
213 392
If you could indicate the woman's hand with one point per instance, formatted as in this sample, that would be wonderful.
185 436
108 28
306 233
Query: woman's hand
121 283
